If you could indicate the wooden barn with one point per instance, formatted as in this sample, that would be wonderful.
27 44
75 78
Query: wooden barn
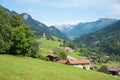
114 70
52 57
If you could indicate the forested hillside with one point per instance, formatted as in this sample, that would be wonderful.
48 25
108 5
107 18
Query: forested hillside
106 40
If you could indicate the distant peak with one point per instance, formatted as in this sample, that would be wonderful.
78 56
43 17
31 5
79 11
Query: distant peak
26 16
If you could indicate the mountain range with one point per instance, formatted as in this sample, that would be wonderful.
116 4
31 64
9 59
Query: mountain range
106 40
40 28
77 30
64 31
37 27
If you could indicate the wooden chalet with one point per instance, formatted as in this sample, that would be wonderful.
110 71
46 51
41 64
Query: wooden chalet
114 70
52 57
85 64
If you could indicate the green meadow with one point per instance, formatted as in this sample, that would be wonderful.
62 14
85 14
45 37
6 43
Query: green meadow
47 46
26 68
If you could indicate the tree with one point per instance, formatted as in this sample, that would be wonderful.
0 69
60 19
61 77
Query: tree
5 31
22 39
62 55
15 37
16 20
35 50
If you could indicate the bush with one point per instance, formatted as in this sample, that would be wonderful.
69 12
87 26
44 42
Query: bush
61 54
103 69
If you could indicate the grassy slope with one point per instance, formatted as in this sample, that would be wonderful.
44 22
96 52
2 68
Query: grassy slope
48 45
20 68
76 55
110 63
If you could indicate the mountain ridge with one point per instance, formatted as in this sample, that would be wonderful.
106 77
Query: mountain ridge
106 40
37 27
86 27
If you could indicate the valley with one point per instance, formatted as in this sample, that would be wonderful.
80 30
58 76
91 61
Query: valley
32 50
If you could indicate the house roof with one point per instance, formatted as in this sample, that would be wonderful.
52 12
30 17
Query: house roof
79 61
62 61
114 68
53 55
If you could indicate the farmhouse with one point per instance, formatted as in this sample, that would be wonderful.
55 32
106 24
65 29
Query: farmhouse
80 63
52 57
114 70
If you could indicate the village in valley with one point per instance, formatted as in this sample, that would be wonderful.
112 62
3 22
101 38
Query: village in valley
59 40
86 63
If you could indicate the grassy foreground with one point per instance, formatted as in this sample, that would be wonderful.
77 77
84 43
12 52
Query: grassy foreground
24 68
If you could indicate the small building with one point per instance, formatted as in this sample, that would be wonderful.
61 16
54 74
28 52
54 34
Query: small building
85 64
62 61
68 49
44 36
114 70
52 57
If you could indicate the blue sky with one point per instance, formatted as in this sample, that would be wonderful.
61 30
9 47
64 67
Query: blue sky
52 12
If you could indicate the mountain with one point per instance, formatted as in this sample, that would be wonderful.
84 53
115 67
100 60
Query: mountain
37 27
89 27
106 40
86 28
65 28
40 28
55 31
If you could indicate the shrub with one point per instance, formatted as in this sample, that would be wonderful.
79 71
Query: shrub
103 69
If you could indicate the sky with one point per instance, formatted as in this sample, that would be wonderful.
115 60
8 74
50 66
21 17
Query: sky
56 12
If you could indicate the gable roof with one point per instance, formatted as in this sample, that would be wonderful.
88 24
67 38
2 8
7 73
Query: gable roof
62 61
79 61
53 55
114 68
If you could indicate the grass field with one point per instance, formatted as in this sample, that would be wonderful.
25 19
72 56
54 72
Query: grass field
48 45
25 68
76 55
110 63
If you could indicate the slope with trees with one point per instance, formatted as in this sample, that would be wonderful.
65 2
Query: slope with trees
103 41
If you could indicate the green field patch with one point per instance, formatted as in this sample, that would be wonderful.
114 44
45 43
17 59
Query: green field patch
25 68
